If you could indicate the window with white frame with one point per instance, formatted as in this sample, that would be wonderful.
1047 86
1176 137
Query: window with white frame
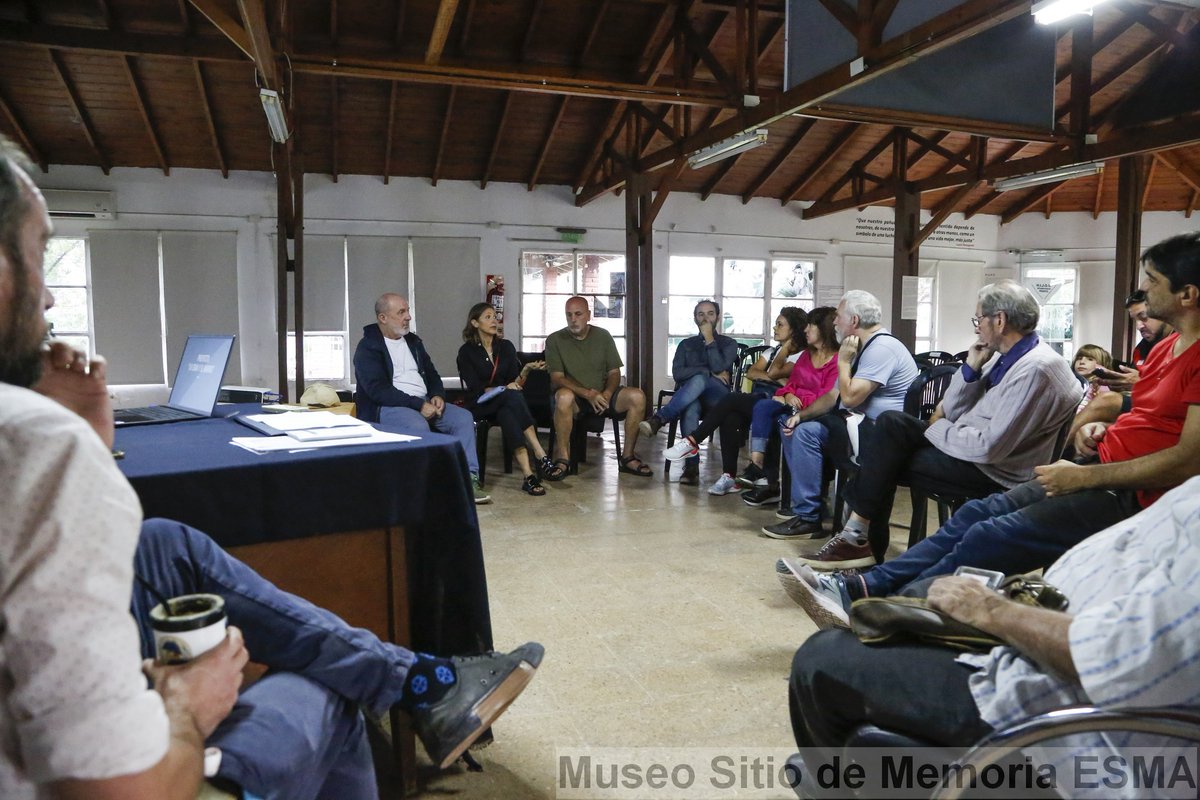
750 291
926 311
324 355
67 279
548 279
1054 286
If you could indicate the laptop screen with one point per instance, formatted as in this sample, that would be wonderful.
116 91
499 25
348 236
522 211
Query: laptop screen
201 370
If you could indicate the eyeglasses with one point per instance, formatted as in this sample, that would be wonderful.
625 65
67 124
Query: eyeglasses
976 320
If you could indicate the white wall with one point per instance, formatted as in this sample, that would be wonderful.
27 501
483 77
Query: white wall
508 219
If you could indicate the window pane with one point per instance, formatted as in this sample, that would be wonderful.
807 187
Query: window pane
542 313
324 356
81 343
793 278
66 262
744 278
548 273
924 321
742 317
776 305
619 341
70 312
1057 322
680 320
601 274
1051 285
692 275
533 344
672 345
924 290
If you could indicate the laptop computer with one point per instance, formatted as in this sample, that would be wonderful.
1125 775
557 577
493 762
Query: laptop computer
194 391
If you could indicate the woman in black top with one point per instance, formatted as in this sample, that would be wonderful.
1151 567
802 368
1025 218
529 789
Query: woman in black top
485 361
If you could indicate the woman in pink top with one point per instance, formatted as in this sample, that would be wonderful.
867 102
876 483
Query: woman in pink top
815 374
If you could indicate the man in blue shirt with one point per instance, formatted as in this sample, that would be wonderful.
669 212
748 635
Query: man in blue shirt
703 370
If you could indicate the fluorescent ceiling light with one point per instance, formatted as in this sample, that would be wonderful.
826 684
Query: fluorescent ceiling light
1049 176
1048 12
276 119
738 143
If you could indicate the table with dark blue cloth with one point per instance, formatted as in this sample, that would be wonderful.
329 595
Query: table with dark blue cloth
344 523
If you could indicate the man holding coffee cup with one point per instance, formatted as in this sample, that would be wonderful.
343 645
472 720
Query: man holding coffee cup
76 717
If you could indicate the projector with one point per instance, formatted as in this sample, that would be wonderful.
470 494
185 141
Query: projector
244 394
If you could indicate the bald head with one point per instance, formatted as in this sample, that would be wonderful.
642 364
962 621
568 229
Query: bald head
578 315
393 315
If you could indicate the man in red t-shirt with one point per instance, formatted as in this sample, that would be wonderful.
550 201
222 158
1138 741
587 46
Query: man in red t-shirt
1142 454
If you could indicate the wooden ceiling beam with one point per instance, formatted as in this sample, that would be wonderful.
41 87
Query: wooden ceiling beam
225 24
660 197
391 126
1035 196
1149 180
491 162
78 109
527 42
701 50
206 107
1142 16
886 141
445 137
143 106
1191 206
1189 174
441 31
333 21
91 40
780 158
254 20
594 29
657 121
398 29
545 151
719 176
23 136
1099 195
927 146
944 210
185 17
839 141
465 36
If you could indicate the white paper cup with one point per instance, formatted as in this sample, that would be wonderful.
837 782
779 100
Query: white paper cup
193 624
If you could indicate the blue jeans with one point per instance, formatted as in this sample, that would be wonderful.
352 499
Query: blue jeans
761 419
697 393
455 421
804 451
296 733
1010 532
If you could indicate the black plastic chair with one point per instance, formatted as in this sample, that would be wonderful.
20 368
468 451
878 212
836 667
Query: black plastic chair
938 357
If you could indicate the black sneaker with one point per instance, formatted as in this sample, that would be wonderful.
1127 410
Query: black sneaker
649 427
486 685
761 496
691 474
795 528
752 476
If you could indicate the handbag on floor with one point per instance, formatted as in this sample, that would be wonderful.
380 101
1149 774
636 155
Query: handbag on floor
876 620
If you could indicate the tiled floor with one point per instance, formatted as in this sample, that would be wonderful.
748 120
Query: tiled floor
663 622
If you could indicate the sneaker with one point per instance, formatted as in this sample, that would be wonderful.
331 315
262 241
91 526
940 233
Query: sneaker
752 476
675 470
785 515
823 597
724 485
650 427
690 476
486 685
839 552
761 496
684 448
481 495
795 528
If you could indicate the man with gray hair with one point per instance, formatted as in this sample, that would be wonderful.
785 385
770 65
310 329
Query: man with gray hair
1003 414
875 370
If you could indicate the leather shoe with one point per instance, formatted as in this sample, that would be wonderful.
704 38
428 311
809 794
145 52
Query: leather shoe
486 685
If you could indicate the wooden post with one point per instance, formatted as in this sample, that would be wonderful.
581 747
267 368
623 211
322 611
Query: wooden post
1131 182
639 282
905 250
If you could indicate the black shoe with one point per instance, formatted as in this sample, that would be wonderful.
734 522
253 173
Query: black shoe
751 476
761 496
486 685
795 528
649 427
690 476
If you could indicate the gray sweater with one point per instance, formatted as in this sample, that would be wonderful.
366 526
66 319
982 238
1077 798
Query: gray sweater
1014 426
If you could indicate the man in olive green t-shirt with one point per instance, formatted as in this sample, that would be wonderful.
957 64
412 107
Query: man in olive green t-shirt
585 372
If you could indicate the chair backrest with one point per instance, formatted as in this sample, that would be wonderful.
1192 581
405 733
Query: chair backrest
926 391
937 357
962 356
746 356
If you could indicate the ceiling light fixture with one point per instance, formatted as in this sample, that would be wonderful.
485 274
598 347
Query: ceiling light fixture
738 143
1048 176
276 119
1048 12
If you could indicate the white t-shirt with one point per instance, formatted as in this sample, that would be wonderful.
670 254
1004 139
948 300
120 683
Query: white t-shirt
73 700
888 363
405 376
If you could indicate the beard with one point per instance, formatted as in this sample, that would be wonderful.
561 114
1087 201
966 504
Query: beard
21 339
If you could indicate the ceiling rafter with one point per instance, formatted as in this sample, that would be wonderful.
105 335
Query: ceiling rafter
1099 194
445 137
441 31
701 50
1191 206
1023 204
206 107
1079 103
1189 174
781 157
143 106
719 176
835 146
944 210
922 152
1143 17
928 146
491 162
1149 180
23 136
530 29
78 109
254 21
94 40
398 29
391 126
657 121
185 18
545 151
468 16
858 168
594 29
660 197
225 24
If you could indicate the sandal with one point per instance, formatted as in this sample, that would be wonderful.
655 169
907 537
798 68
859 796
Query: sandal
554 470
533 486
641 470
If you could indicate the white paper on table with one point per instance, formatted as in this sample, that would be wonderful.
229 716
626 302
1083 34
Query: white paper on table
275 444
305 420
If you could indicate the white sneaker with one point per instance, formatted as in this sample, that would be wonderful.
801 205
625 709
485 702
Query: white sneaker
675 470
681 450
724 485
